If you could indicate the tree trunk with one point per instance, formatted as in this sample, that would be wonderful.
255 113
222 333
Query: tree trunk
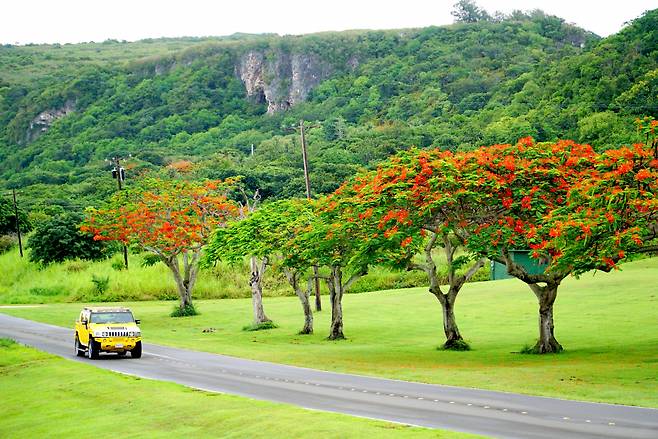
256 284
293 279
454 340
547 343
336 296
453 337
546 295
306 306
183 284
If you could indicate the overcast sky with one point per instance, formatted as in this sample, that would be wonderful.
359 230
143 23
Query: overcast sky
72 21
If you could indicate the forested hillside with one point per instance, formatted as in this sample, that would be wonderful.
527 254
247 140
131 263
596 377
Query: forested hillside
227 105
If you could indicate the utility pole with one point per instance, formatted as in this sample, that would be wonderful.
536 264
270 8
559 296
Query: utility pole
18 224
318 301
120 174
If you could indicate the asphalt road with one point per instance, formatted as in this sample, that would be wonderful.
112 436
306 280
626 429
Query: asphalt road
497 414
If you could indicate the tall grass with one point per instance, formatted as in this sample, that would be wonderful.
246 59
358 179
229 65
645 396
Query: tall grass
22 281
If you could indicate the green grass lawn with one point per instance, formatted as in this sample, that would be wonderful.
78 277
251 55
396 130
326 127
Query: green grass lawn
46 396
608 324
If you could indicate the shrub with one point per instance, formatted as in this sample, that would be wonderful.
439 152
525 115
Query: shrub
59 238
6 243
101 284
186 311
118 265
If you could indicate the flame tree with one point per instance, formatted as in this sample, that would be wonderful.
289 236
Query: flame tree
492 200
386 203
497 199
171 219
613 214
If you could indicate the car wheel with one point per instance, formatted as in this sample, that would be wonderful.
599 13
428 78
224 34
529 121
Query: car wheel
92 349
136 352
78 348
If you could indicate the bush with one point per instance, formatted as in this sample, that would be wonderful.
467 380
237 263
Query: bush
6 243
186 311
118 264
59 238
101 284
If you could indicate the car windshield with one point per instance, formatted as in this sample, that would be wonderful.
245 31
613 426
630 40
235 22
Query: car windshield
111 317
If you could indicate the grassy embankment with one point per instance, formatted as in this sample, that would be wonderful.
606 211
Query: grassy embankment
46 396
608 324
25 282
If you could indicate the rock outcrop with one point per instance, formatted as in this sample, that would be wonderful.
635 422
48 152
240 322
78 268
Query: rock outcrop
45 119
280 79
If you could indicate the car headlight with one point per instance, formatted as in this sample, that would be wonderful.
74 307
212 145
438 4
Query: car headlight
98 334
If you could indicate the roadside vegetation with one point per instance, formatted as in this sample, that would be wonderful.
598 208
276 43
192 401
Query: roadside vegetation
396 334
73 281
88 397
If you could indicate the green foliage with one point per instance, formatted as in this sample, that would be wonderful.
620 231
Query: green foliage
118 264
8 218
455 345
534 75
260 327
101 283
188 310
149 260
467 11
6 243
59 238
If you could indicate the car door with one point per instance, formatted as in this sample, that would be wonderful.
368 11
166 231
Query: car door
81 328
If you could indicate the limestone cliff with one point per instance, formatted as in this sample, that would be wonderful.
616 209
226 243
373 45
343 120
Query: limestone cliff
280 79
45 119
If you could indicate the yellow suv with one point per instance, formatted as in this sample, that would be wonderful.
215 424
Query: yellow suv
107 329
